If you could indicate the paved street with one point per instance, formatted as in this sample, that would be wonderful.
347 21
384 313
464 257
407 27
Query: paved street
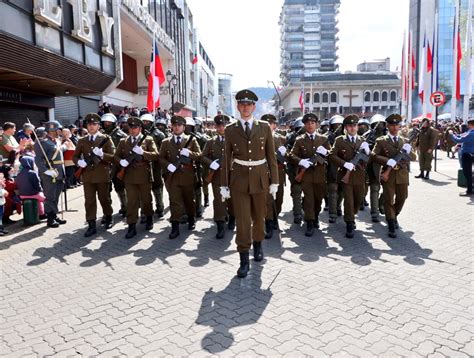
65 295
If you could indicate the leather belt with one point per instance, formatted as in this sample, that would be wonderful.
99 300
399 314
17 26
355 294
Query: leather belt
187 166
57 162
250 163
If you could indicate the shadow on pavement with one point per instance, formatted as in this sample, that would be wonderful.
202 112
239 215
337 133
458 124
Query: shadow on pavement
241 303
20 238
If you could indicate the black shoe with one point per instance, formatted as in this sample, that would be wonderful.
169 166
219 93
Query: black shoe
159 213
339 212
199 213
382 211
191 223
123 212
91 230
244 264
220 229
257 251
184 219
206 200
276 226
326 208
366 203
149 223
7 221
102 221
59 221
391 229
427 175
268 229
3 231
298 220
142 220
349 230
231 223
132 231
332 220
51 222
375 219
174 230
467 193
108 223
309 228
361 207
421 175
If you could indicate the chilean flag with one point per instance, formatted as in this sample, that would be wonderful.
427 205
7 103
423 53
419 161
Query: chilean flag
155 79
195 59
458 51
301 100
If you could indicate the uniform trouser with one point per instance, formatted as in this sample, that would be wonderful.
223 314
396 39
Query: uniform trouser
221 209
374 199
353 196
138 194
119 188
313 196
250 210
181 200
157 187
466 163
205 188
394 198
335 196
278 203
103 193
425 160
198 197
52 192
296 190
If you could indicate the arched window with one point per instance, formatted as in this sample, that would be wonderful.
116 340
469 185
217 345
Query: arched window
393 96
316 98
307 97
325 98
376 96
334 97
384 96
367 96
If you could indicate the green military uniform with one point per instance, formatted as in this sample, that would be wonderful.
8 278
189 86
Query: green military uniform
334 190
427 141
395 189
96 175
180 183
295 187
138 175
314 178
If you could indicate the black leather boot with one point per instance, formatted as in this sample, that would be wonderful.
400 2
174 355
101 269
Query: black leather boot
220 229
276 226
257 251
427 175
132 231
421 175
349 230
191 223
51 222
268 229
206 200
59 221
231 223
244 264
108 223
395 222
91 230
391 229
174 230
339 212
149 223
332 219
309 228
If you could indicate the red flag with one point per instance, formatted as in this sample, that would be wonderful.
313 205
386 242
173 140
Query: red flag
195 59
458 65
429 58
155 79
413 68
301 100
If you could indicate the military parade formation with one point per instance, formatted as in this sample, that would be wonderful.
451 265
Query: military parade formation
331 165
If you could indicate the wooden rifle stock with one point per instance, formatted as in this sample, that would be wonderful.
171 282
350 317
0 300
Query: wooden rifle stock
210 176
300 175
123 170
79 170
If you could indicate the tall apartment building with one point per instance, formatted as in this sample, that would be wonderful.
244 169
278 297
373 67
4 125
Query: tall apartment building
308 38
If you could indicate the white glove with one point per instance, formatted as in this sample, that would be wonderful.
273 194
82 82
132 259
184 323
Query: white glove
273 190
124 163
349 166
82 163
185 152
138 150
52 173
225 193
391 163
321 150
171 168
365 147
98 151
214 165
450 131
305 163
282 150
407 147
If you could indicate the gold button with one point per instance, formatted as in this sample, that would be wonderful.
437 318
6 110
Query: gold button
250 150
250 168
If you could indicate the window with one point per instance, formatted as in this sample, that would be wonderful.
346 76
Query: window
307 97
393 96
333 97
376 96
316 98
367 97
384 96
325 98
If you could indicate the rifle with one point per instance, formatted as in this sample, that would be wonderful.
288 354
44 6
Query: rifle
315 160
210 176
401 156
360 156
132 157
91 159
181 160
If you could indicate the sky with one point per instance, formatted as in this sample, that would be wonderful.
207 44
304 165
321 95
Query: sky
243 37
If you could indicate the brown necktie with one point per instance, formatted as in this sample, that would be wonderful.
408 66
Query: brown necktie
247 129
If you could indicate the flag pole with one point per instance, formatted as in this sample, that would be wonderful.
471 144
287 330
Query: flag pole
455 62
410 77
403 78
468 80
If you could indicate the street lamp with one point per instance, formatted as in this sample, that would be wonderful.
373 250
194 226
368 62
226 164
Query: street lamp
172 83
278 95
205 103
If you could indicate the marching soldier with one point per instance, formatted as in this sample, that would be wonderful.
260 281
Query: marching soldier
213 156
426 143
334 188
342 153
251 172
295 188
202 139
274 205
50 163
177 156
109 125
157 185
135 154
313 182
94 154
395 189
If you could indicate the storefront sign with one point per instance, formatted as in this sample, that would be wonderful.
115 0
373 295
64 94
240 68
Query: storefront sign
8 96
